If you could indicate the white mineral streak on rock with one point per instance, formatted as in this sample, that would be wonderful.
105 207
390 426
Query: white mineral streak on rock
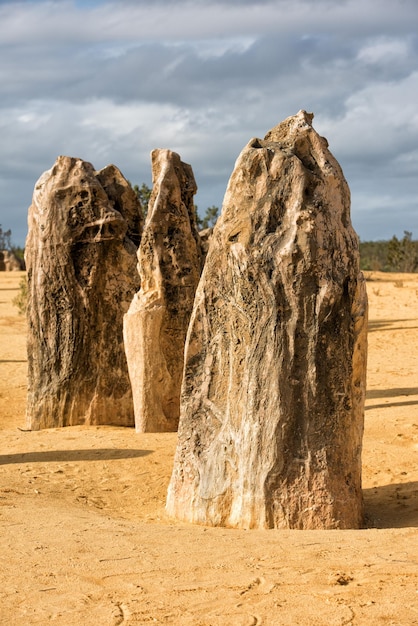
155 326
272 403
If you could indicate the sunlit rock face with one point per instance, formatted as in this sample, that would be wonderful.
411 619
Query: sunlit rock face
271 423
81 262
169 262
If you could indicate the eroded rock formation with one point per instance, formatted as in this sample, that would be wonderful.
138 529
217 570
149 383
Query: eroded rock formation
271 422
123 199
156 324
81 264
9 262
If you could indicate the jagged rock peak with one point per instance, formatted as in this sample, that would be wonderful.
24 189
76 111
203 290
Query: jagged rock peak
272 400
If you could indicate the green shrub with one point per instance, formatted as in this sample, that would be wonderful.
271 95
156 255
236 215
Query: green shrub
21 300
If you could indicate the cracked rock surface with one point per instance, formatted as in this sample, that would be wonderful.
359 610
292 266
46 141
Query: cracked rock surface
271 424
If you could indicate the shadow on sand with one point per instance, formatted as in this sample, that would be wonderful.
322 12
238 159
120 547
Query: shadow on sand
72 456
388 325
391 393
392 506
13 361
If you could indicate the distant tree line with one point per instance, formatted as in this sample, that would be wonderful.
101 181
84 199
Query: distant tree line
5 239
143 193
6 244
395 255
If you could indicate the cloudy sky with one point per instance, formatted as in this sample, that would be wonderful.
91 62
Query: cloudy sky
108 81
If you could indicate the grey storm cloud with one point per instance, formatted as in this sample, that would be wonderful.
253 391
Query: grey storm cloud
109 81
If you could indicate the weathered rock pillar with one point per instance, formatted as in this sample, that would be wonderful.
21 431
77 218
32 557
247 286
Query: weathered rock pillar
271 422
81 264
155 326
9 262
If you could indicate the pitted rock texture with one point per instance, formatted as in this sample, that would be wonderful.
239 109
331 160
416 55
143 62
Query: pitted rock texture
81 266
123 199
170 258
271 424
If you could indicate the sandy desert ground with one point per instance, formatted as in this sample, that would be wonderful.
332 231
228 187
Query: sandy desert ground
85 541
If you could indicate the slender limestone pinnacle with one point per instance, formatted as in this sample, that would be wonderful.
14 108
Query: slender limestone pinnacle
169 261
272 402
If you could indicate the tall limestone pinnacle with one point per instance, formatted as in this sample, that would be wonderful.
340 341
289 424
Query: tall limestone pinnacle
81 264
169 262
272 403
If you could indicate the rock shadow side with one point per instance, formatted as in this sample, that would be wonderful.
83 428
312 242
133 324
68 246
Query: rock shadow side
82 276
155 327
272 404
